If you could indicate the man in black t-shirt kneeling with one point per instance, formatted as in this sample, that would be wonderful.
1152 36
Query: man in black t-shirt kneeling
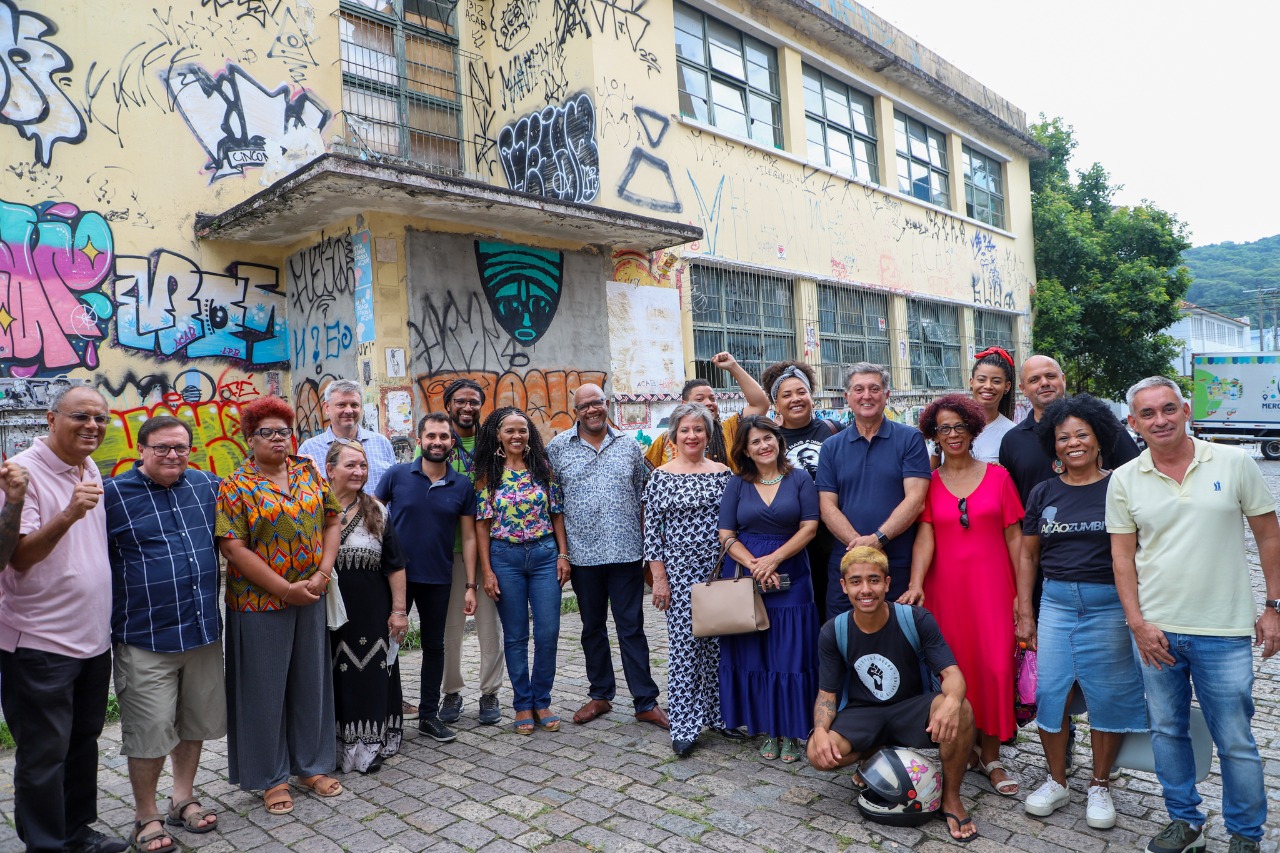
878 694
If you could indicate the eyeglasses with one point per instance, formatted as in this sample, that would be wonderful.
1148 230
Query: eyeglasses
266 432
163 450
353 443
466 404
589 405
83 418
963 506
948 429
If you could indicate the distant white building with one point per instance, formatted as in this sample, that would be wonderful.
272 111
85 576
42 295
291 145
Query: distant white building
1201 330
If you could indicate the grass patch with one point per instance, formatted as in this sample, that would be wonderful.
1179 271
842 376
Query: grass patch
6 736
412 640
569 604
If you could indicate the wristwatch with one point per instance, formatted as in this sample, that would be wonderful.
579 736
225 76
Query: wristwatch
881 537
471 586
1273 604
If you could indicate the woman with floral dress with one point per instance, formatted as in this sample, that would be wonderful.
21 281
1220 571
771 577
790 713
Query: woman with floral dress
681 515
523 556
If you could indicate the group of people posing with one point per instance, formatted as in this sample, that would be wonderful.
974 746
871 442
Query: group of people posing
899 584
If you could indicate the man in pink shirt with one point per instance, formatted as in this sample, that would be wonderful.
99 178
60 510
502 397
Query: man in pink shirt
55 632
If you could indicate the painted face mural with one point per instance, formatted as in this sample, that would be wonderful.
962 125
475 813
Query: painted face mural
522 286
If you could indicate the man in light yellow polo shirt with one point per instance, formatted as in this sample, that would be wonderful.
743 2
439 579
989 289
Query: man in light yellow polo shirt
1183 578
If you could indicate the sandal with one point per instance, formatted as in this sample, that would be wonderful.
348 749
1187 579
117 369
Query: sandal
549 721
947 817
190 821
524 725
769 749
321 785
1007 787
791 750
141 843
278 800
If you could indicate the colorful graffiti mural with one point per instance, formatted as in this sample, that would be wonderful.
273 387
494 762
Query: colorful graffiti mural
30 98
522 285
546 395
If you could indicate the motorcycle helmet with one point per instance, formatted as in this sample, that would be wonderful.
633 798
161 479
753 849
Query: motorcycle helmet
903 788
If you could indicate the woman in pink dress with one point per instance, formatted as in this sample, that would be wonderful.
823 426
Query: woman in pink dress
962 570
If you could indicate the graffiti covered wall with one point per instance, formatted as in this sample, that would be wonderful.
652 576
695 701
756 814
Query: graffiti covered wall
528 324
119 126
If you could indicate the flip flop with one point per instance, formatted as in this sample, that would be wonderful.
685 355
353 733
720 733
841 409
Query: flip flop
191 822
550 722
278 800
321 785
946 817
141 842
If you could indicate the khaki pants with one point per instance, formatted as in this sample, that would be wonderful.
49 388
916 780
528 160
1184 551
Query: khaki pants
488 630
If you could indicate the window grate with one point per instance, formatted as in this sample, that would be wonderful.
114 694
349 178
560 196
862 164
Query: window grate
933 335
992 329
748 314
853 325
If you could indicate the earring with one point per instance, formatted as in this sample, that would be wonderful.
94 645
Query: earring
500 453
1058 467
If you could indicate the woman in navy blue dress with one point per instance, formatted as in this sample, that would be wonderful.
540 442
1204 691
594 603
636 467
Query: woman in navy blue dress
770 513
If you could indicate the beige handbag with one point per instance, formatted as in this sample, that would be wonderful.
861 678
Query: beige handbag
725 606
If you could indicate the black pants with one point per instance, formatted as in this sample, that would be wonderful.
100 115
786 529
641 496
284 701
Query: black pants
622 586
55 706
432 601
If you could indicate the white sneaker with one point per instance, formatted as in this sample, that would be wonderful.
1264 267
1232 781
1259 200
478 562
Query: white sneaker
1101 813
1048 798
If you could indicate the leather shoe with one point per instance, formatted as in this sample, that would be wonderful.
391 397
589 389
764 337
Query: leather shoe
682 748
92 841
655 715
731 734
591 710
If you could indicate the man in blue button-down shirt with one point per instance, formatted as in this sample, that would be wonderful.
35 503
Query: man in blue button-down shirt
602 473
343 407
165 626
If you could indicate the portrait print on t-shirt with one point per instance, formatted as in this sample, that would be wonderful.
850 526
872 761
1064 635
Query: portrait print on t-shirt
879 676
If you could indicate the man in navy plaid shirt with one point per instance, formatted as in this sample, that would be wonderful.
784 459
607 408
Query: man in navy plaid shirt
165 625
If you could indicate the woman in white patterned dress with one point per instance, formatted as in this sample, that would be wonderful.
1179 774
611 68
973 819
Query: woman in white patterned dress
681 513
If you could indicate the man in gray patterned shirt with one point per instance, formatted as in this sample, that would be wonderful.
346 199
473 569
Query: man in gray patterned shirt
602 472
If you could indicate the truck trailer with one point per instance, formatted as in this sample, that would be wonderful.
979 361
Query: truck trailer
1235 399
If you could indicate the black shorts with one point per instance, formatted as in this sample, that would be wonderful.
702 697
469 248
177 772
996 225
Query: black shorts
900 724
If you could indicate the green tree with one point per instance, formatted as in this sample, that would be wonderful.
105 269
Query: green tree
1109 279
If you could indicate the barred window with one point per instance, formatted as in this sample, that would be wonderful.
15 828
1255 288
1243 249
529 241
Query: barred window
853 326
400 79
933 334
840 124
727 78
747 314
983 188
993 329
922 161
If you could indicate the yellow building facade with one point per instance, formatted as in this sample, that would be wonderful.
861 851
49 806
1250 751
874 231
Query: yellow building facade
214 200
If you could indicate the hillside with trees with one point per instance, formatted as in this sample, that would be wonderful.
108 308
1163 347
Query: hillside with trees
1223 273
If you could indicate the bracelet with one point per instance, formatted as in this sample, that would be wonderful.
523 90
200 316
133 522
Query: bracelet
400 613
470 586
562 556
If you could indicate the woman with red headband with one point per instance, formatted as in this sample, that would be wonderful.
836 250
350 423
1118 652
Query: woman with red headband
991 382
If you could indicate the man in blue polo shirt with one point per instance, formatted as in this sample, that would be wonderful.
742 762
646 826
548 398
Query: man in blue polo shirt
872 481
428 500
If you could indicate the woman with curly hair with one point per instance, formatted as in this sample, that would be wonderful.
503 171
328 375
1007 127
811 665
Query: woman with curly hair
523 556
1082 636
278 528
962 570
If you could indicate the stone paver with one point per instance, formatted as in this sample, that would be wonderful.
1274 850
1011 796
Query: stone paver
613 785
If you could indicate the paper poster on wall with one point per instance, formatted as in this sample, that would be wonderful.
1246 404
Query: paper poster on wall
362 266
397 404
395 362
644 337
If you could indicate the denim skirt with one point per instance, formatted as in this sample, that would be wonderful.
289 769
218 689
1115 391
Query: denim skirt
1083 639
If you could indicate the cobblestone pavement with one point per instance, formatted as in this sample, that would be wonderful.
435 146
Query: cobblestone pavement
613 785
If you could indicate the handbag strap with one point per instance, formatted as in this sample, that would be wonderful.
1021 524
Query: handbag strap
724 551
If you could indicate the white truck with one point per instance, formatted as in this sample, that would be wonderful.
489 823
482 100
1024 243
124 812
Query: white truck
1235 399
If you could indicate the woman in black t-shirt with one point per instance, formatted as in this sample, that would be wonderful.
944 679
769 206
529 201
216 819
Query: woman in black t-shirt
790 385
1082 636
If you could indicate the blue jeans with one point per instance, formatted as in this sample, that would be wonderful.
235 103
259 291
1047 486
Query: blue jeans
526 573
1222 670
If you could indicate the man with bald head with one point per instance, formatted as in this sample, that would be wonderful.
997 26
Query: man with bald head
602 472
1041 382
55 631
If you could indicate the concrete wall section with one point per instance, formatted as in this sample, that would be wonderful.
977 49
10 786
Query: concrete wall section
528 324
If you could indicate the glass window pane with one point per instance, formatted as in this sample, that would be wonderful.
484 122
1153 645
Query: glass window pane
693 93
863 114
837 107
691 46
812 92
725 45
730 108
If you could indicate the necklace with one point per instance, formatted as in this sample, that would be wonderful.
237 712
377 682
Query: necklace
775 481
348 507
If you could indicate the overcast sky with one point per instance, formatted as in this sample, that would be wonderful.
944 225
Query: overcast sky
1176 99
